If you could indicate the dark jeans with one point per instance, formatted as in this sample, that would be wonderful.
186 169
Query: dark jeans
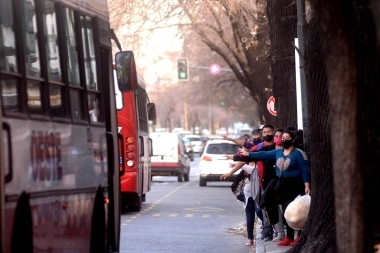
250 210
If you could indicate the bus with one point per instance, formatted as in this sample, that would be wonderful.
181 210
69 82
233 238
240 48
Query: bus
59 167
134 111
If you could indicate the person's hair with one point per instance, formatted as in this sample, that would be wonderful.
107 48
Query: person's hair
268 126
291 133
299 138
256 132
278 130
290 128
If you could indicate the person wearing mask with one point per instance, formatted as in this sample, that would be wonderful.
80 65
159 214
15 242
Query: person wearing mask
293 164
266 172
256 139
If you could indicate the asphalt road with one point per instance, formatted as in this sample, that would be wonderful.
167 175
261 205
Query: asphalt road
184 217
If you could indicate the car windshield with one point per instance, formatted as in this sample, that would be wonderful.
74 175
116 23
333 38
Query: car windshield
222 148
194 138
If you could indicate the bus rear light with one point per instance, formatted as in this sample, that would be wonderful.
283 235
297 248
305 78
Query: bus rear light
130 156
130 140
130 163
206 159
106 201
130 148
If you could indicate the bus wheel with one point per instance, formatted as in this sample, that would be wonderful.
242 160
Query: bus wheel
22 226
138 205
180 176
98 224
144 197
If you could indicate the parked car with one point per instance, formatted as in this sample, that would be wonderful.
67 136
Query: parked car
189 148
170 157
213 162
196 141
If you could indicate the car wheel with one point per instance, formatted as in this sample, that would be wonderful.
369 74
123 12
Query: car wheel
180 176
202 181
187 176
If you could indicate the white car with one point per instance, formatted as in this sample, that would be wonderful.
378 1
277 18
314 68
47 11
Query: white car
213 162
196 141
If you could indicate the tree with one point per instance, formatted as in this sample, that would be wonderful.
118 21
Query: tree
237 31
282 16
344 77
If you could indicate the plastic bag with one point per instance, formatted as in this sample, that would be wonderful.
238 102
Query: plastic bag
297 211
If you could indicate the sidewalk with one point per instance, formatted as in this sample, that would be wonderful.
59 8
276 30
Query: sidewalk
267 247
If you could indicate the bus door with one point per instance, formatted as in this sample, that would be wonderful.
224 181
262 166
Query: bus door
2 181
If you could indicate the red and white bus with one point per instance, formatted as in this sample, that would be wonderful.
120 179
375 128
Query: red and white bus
134 113
59 167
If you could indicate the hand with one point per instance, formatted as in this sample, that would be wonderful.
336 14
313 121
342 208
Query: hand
226 138
307 190
231 157
223 177
243 152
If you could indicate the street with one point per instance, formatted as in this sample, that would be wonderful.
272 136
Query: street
184 217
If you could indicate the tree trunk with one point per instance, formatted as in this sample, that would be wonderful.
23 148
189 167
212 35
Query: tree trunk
319 232
352 65
282 16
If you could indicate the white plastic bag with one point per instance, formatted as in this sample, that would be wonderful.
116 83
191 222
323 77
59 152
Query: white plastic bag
297 211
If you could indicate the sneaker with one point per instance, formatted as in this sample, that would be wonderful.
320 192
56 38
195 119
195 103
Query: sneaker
249 243
268 238
295 241
279 237
285 242
262 236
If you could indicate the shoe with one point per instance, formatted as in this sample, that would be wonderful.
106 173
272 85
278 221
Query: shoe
279 237
285 242
249 243
262 237
295 242
268 238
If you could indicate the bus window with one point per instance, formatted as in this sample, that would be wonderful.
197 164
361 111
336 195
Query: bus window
72 64
32 58
52 48
76 99
93 107
89 53
34 97
9 91
7 37
55 97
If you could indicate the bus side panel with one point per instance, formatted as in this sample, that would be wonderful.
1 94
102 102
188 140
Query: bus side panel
147 166
59 166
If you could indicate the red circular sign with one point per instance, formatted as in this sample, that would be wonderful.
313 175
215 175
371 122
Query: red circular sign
270 106
214 69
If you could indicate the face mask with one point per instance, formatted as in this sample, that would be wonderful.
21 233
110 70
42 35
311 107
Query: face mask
256 141
268 138
278 141
287 143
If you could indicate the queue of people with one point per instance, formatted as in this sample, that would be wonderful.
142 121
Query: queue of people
278 158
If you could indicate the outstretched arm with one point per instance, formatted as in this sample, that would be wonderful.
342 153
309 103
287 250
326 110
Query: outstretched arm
237 166
237 142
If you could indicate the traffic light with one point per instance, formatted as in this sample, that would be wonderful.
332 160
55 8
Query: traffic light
182 70
222 103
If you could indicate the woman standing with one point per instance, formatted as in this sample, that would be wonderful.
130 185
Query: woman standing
292 164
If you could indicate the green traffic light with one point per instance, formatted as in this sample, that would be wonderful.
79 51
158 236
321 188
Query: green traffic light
182 75
222 103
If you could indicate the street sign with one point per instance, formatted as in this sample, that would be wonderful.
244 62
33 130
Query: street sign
215 69
270 106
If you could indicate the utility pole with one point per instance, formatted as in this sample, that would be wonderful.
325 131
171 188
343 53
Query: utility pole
301 46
